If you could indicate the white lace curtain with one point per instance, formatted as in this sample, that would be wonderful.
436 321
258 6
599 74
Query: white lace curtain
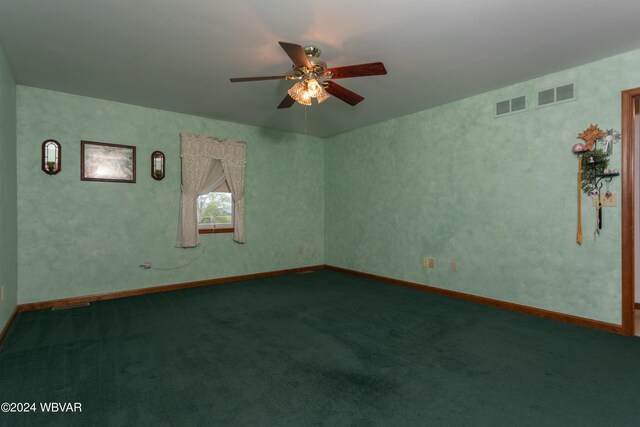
206 164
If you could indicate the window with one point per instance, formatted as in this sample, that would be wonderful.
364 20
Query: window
210 165
215 213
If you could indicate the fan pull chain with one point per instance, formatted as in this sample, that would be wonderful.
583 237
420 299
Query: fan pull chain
305 119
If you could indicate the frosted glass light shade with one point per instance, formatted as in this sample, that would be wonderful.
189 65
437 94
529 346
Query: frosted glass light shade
305 90
299 92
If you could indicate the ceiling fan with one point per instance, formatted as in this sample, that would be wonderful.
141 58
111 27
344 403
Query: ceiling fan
310 72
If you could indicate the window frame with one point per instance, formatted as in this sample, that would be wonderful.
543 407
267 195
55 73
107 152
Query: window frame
214 230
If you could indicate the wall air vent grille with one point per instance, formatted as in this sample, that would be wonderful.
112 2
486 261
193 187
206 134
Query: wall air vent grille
555 95
513 105
503 107
546 97
564 93
518 104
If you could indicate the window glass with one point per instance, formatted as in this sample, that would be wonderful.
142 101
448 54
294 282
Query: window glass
215 210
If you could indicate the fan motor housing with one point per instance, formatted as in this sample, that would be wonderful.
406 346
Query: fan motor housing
317 64
312 51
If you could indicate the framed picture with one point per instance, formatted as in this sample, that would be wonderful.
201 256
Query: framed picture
107 162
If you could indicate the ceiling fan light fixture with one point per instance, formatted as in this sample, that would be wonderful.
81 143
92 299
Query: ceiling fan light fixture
308 68
313 87
307 89
322 96
299 92
305 99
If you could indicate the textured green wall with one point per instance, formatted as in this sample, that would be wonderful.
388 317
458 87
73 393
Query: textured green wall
495 195
8 192
81 238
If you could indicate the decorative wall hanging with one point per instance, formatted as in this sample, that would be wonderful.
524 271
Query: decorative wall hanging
578 149
595 162
612 137
593 172
590 136
107 162
157 165
51 157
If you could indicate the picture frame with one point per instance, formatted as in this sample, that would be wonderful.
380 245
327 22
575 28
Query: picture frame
100 161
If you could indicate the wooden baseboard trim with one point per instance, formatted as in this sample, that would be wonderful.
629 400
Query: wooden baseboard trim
155 289
6 328
567 318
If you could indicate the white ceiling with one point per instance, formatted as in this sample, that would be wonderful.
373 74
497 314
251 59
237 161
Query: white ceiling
178 55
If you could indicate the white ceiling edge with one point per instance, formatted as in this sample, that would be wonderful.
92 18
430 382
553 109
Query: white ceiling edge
178 56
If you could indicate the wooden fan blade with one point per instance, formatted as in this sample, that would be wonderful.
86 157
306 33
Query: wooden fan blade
371 69
255 79
287 102
296 53
342 93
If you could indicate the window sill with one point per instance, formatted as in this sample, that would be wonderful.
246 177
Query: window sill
215 230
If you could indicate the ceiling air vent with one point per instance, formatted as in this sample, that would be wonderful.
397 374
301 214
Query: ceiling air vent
556 95
513 105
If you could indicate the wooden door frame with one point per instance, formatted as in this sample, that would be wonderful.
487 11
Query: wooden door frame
628 216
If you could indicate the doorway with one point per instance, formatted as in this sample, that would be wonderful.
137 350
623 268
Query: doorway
630 207
636 215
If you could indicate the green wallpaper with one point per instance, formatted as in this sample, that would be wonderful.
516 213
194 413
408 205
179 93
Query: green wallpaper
81 238
495 195
8 192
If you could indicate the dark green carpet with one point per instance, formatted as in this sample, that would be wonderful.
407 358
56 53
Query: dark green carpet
322 348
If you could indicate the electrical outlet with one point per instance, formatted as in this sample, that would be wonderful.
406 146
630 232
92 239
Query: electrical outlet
454 266
425 262
300 250
432 263
1 293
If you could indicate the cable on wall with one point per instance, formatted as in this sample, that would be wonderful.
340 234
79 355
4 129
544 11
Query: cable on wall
148 266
